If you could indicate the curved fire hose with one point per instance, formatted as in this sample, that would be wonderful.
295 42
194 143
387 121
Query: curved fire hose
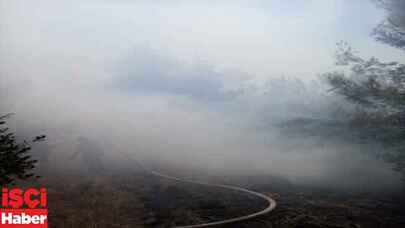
271 204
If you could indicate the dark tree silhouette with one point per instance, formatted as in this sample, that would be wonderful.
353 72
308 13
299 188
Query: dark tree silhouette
392 30
15 161
372 84
377 88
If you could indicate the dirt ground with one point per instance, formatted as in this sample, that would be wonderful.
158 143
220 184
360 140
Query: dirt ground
140 200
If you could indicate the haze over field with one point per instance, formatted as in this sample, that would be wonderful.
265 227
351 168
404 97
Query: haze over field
197 84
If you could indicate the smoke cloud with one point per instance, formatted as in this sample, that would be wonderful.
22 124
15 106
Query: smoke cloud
197 85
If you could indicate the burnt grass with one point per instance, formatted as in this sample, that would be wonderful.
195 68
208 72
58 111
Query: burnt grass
138 199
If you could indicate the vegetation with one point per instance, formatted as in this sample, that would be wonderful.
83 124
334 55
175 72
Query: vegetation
376 88
15 159
392 30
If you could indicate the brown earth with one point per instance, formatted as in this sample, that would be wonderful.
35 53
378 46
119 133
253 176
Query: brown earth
142 200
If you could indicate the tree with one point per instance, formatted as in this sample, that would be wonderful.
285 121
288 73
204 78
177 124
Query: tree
377 88
15 160
392 30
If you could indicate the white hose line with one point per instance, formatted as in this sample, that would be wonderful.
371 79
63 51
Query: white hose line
271 203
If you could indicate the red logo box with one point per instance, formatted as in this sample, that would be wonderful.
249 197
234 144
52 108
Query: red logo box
23 208
23 218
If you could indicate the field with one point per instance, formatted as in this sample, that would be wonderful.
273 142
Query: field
138 199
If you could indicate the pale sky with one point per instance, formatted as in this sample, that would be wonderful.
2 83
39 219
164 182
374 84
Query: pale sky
258 39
